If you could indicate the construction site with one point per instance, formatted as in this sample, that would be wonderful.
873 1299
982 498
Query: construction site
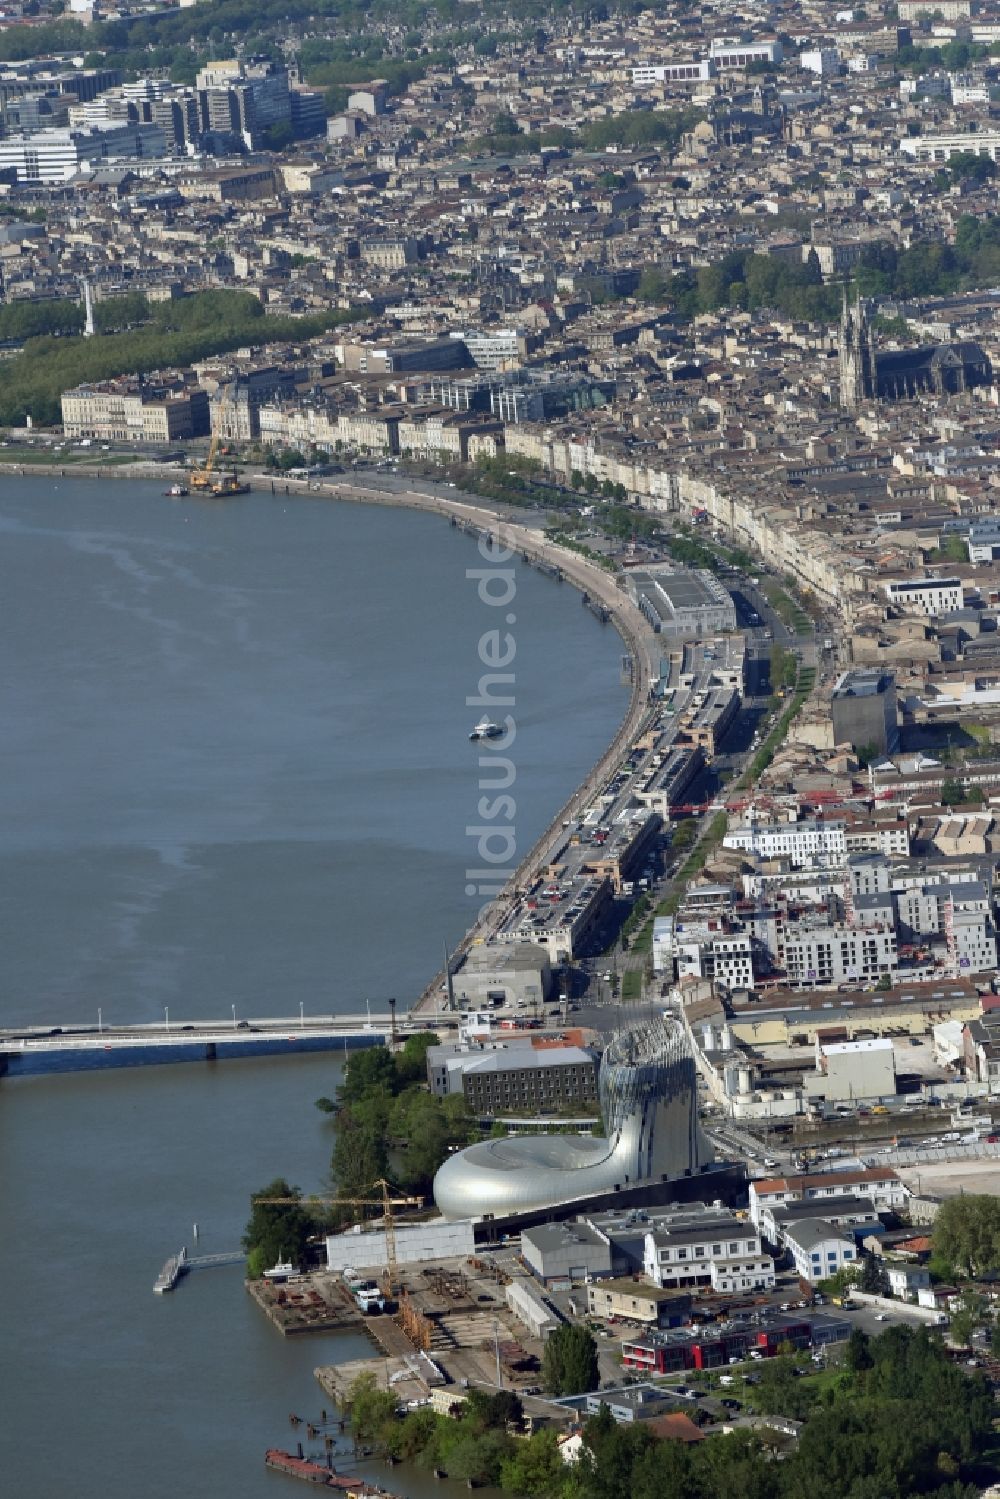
448 1327
445 1321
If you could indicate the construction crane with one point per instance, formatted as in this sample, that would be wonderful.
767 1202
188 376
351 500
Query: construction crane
385 1202
207 479
203 478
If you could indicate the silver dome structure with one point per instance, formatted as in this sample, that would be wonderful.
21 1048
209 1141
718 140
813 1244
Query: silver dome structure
650 1105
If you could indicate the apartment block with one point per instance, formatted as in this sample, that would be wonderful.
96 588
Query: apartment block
135 410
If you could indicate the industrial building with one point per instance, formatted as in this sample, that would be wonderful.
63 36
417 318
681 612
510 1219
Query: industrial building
415 1243
633 1301
650 1108
849 1071
505 975
863 705
683 604
564 1252
531 1308
559 915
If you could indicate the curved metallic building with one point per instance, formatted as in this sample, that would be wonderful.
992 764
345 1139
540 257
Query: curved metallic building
650 1105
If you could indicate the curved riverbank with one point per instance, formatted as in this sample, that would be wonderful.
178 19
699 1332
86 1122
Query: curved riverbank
470 513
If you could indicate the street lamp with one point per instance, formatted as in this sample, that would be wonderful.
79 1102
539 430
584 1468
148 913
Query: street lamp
100 1023
233 1008
302 1014
166 1017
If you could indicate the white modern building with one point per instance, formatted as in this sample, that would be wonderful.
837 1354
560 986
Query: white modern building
984 539
823 61
696 71
928 596
957 143
702 949
732 55
967 88
800 842
57 155
816 957
496 348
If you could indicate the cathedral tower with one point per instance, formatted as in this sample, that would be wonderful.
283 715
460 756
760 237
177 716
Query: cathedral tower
858 381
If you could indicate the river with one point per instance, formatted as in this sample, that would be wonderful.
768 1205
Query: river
235 772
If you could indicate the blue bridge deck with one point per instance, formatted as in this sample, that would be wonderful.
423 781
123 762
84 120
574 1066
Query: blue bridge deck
39 1052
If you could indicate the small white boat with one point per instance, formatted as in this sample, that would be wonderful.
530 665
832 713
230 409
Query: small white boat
486 730
283 1270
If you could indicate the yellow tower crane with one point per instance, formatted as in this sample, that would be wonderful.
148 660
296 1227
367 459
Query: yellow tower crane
385 1202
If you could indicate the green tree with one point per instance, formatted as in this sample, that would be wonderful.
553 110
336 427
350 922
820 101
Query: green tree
535 1467
411 1062
478 1456
874 1276
360 1155
276 1231
372 1068
970 1313
840 1283
569 1363
496 1409
371 1409
857 1354
952 793
780 1392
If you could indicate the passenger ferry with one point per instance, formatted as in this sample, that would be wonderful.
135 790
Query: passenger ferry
486 730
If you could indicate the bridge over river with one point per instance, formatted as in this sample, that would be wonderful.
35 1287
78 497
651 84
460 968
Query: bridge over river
45 1050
